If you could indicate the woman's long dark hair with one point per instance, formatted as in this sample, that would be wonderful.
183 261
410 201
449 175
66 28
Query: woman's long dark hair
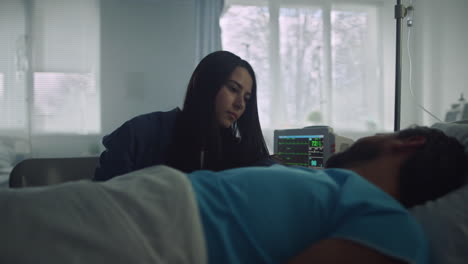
199 141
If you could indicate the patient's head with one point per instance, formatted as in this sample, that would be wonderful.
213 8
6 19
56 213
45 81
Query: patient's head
435 169
428 164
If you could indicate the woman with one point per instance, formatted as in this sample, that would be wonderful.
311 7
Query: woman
218 127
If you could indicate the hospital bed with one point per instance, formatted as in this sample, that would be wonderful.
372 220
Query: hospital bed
143 207
135 218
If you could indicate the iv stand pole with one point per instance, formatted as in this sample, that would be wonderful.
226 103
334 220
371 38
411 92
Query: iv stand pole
400 13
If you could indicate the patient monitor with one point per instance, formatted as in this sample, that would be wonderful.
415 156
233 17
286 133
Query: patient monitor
309 146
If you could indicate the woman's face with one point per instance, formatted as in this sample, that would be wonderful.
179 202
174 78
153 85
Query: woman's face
233 96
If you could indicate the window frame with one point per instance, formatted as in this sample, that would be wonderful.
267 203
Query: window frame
327 7
29 69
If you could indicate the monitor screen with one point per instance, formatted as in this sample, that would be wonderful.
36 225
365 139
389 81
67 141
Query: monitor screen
301 150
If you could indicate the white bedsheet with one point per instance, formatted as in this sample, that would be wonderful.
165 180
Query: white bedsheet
147 216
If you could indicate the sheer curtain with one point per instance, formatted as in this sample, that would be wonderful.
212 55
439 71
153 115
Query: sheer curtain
318 62
64 66
208 31
49 74
14 136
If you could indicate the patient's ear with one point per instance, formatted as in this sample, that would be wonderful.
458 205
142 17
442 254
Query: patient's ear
410 143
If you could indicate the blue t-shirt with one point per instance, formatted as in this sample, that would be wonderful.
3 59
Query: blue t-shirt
271 214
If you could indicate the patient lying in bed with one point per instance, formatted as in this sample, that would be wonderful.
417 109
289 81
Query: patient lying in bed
346 214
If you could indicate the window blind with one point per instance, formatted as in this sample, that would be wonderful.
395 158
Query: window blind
65 65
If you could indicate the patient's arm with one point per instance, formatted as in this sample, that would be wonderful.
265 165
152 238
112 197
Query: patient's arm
338 251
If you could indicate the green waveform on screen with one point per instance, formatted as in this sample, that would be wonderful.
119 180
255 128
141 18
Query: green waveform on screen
293 143
298 164
291 153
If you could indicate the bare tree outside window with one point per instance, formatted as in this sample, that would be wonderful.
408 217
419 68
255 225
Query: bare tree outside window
349 59
301 42
328 63
245 32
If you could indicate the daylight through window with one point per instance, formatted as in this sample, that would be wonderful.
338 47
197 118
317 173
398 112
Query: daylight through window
315 64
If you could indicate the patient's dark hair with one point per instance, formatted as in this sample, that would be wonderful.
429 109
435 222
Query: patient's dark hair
435 169
196 128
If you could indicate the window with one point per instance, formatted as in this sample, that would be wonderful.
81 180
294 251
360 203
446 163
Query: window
57 96
12 81
49 66
316 64
65 67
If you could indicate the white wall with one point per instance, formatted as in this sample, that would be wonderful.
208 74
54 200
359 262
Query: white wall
440 60
147 55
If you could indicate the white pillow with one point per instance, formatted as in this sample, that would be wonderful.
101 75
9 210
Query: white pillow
458 130
445 220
